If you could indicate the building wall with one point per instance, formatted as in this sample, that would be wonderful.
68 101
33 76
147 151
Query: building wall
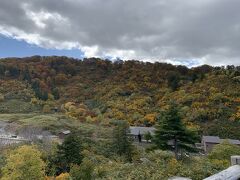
209 146
61 135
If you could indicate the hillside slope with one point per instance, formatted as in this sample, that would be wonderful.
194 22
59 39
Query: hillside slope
96 90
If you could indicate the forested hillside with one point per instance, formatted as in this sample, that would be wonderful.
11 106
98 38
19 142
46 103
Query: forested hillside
96 90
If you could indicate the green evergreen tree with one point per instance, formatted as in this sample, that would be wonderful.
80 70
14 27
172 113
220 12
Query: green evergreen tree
121 141
69 152
171 134
173 79
2 70
26 75
44 95
84 171
148 136
55 93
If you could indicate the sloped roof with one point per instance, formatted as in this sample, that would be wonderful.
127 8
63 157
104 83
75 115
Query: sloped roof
217 140
66 132
211 139
232 141
135 130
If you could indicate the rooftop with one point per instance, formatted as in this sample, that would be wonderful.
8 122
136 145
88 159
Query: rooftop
66 132
217 140
211 139
135 130
232 141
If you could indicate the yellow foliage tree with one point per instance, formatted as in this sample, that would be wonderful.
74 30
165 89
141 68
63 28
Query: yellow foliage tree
46 108
24 163
236 116
63 176
34 100
151 118
77 111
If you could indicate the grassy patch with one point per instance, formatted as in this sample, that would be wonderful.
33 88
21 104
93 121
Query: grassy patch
18 106
56 123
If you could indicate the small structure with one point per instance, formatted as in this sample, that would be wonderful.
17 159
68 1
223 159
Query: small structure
55 109
208 142
63 134
14 136
138 132
235 160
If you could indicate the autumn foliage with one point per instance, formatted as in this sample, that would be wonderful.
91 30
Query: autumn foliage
94 90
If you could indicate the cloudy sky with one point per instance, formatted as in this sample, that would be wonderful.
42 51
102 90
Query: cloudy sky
189 32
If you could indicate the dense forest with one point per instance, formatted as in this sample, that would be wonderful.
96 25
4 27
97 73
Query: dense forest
96 90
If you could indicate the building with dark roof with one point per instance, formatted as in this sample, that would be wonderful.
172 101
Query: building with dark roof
138 133
63 134
208 142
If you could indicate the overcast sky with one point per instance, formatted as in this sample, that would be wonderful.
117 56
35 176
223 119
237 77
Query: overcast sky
189 32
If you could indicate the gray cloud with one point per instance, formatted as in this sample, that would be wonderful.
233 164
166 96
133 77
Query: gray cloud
199 31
